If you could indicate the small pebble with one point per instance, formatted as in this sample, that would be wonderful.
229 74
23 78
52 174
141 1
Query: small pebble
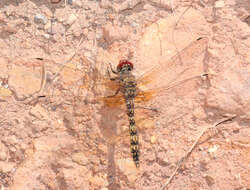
219 4
85 31
71 19
74 2
40 19
55 1
213 149
153 139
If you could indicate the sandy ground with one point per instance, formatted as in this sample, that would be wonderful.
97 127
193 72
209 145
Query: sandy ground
55 133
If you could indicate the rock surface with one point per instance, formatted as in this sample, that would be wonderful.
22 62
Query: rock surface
55 134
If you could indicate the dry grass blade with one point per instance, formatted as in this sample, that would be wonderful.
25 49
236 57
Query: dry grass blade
71 57
181 161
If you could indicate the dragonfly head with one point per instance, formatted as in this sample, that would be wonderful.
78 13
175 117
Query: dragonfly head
125 65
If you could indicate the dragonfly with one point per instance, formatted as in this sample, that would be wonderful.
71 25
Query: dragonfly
124 88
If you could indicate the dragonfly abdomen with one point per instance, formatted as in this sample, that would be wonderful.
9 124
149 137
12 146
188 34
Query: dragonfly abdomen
129 95
134 140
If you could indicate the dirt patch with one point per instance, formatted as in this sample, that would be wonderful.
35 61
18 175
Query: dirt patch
191 59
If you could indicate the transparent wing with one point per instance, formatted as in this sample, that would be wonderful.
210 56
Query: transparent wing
186 64
147 95
83 81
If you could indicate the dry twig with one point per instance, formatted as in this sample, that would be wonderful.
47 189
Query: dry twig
70 59
181 161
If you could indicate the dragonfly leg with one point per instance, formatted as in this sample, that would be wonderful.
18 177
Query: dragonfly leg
117 91
111 68
147 108
113 71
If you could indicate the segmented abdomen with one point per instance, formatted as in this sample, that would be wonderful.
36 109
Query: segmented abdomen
134 141
129 94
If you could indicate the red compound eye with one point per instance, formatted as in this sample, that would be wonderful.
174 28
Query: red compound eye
124 62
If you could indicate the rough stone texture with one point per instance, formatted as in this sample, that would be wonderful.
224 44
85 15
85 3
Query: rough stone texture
55 134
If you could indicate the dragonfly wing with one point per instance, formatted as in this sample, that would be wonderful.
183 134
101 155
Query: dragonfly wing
176 86
180 67
80 78
115 101
105 90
